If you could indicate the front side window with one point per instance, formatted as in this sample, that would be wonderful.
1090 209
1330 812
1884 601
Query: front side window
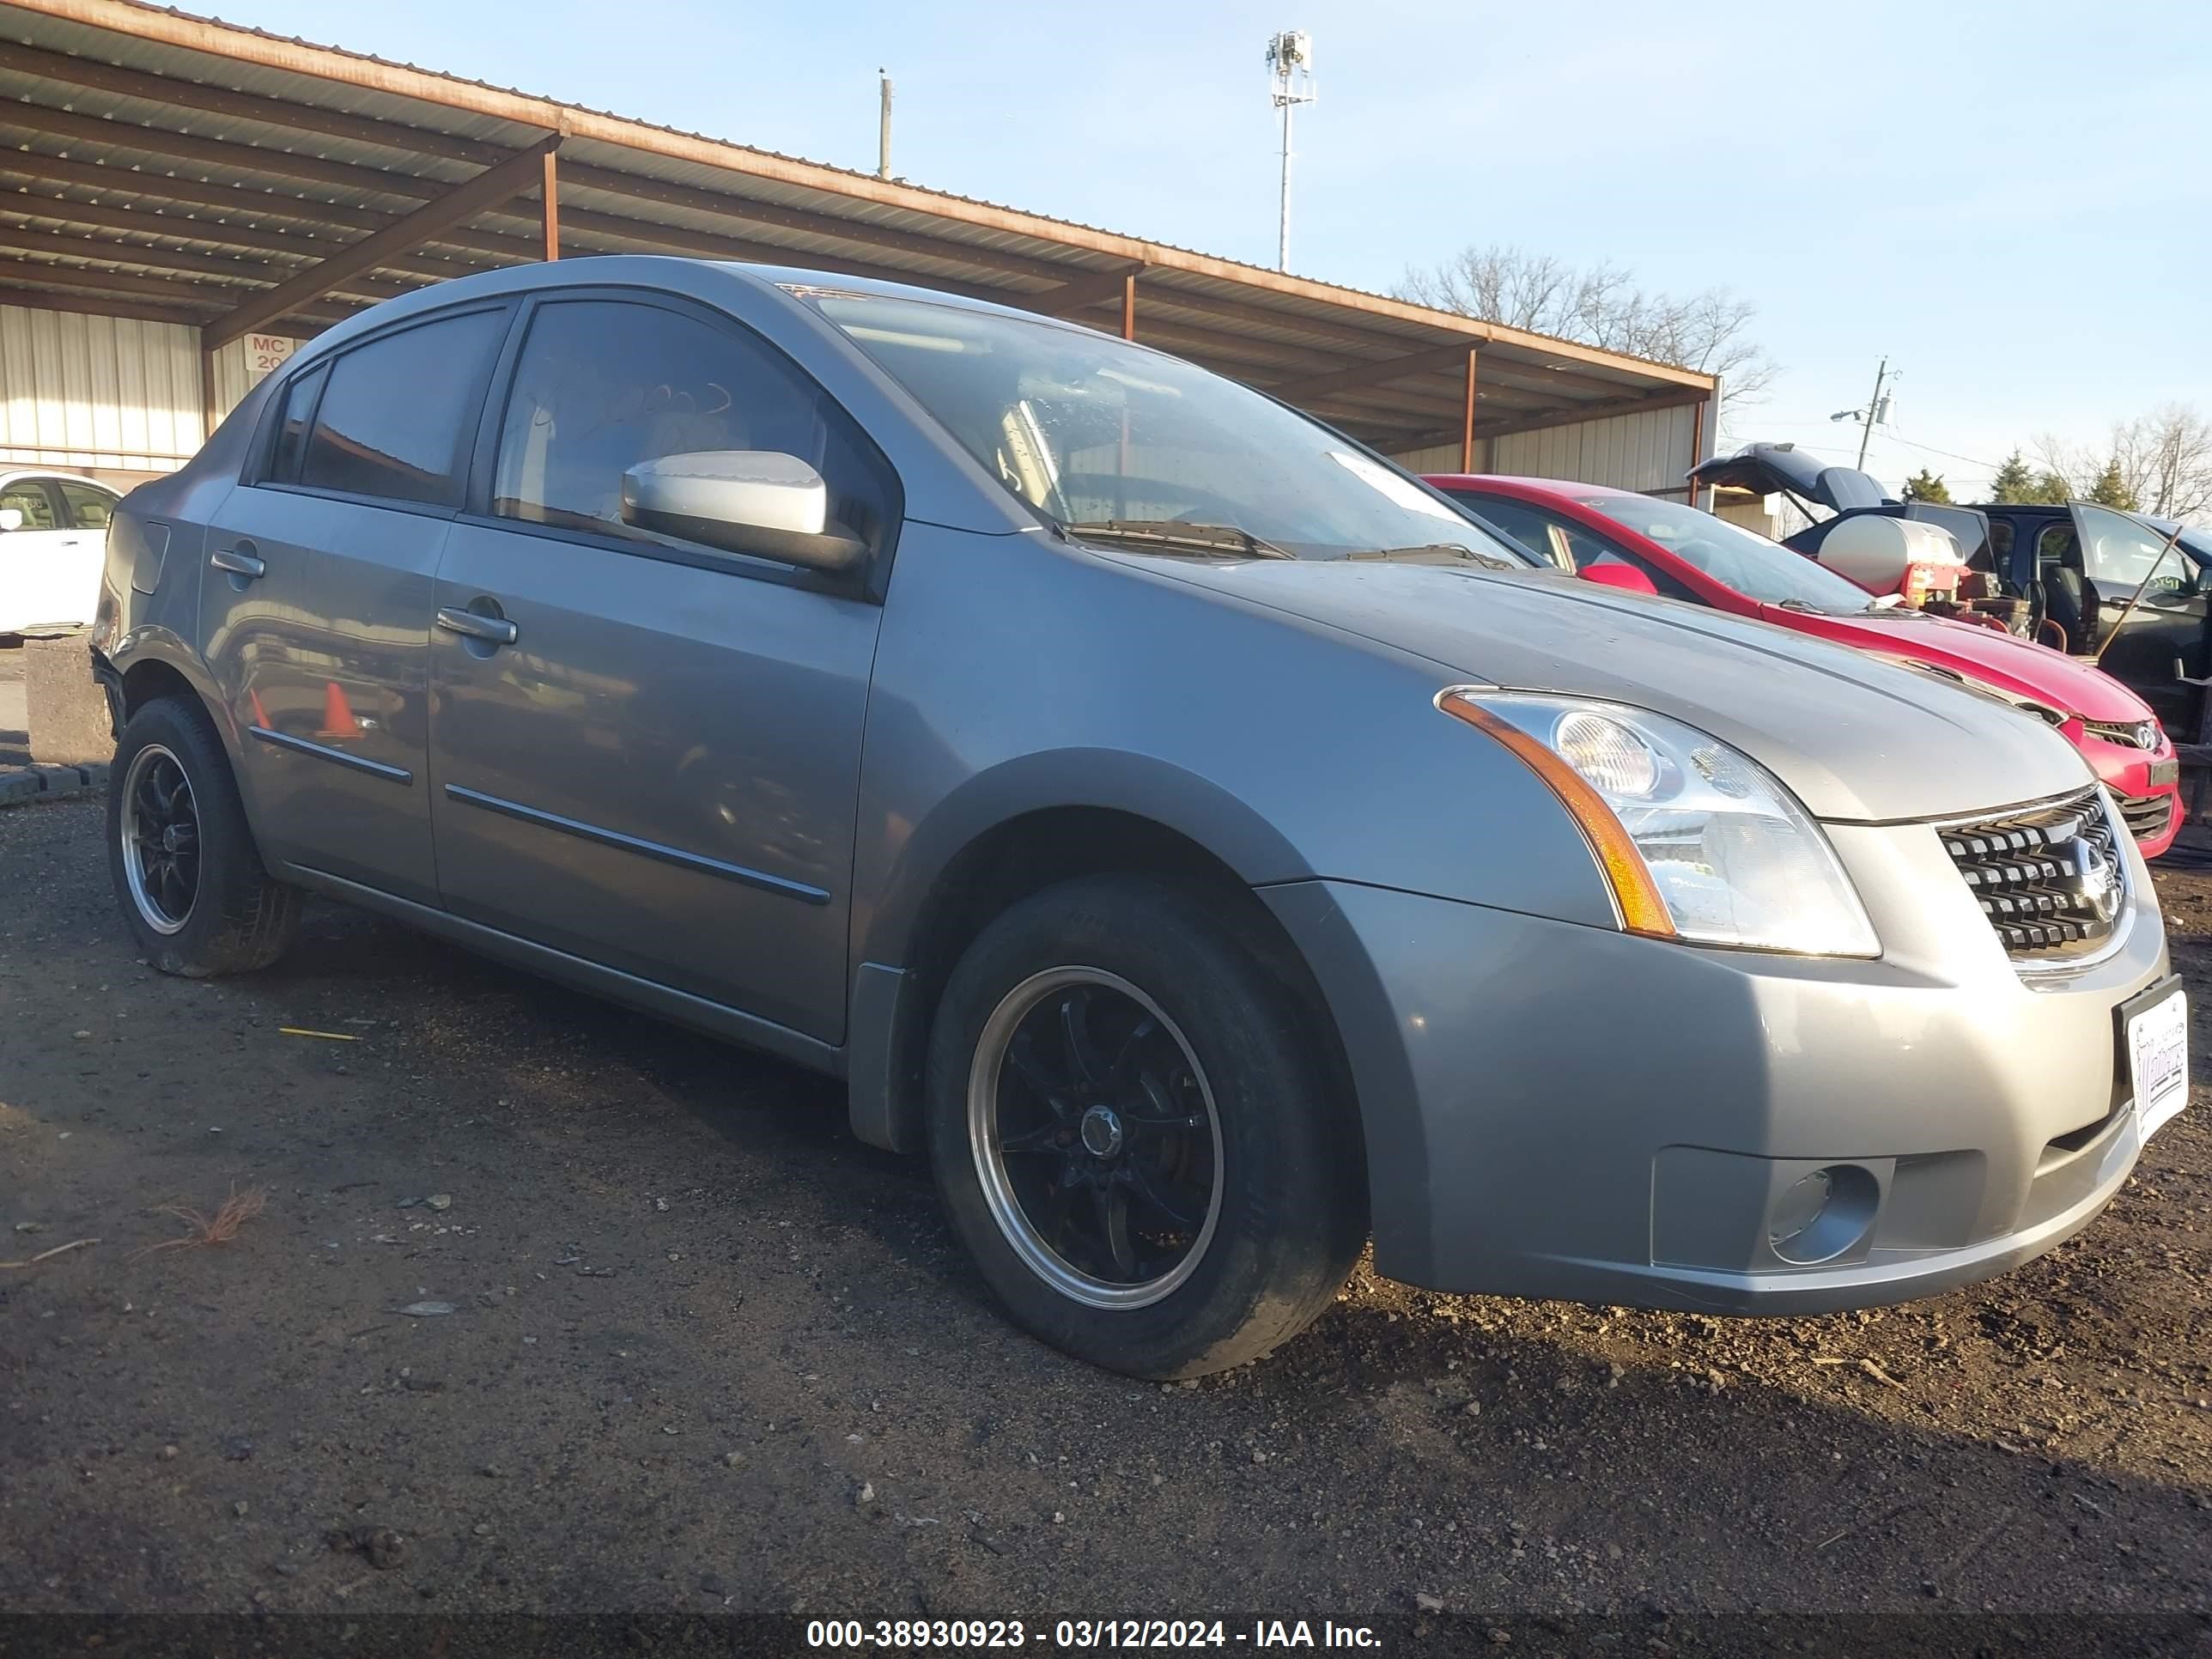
1751 565
1523 524
28 496
394 420
1569 546
601 385
2120 551
88 509
1103 437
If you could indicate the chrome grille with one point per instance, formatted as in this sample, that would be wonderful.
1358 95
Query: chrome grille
2050 881
2146 816
2136 734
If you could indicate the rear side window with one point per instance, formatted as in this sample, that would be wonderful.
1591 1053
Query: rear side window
601 385
88 509
28 496
392 419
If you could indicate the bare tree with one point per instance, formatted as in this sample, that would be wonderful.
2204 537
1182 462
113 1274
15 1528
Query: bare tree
2163 460
2166 458
1600 305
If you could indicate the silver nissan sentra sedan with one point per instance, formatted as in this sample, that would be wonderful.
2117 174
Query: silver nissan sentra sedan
1209 844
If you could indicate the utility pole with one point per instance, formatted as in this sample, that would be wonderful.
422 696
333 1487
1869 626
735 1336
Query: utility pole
1289 58
1873 413
883 131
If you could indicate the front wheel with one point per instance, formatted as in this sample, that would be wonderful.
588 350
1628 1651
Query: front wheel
1134 1135
186 872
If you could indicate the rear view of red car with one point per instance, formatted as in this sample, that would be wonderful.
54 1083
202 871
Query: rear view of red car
1616 537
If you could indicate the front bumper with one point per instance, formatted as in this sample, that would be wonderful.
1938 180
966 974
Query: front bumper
2151 810
1557 1111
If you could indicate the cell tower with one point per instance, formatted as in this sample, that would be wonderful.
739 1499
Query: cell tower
1290 69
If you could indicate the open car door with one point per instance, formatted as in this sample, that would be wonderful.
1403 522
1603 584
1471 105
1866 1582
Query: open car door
2117 560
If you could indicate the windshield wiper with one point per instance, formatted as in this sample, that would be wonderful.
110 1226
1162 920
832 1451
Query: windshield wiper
1179 534
1431 553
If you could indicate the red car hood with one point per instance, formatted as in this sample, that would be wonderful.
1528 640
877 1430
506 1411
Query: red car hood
2020 666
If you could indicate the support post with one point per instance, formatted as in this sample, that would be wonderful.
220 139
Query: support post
207 393
1467 424
1129 307
1697 448
550 203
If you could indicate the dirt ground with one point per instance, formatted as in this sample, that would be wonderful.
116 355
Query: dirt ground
551 1307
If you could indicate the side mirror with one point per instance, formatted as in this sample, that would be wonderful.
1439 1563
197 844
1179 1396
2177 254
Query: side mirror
1626 577
11 518
759 502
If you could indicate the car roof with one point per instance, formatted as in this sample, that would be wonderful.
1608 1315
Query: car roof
1566 487
639 269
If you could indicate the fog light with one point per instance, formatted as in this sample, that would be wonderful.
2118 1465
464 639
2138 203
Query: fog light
1824 1214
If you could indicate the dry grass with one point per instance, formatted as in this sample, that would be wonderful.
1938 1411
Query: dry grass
232 1213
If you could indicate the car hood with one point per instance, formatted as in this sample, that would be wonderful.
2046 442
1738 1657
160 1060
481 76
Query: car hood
1857 738
2020 667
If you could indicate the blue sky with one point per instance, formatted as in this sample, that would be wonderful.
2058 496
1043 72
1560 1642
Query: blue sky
2008 198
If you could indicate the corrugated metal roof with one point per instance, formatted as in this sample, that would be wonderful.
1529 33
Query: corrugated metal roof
283 143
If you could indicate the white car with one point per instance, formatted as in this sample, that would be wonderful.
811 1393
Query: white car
53 533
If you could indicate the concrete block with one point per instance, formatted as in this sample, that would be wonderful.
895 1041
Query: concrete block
65 709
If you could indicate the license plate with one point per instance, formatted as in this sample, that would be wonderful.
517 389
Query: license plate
2158 1061
2164 772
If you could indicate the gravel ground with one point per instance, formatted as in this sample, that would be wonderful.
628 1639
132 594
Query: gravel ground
552 1308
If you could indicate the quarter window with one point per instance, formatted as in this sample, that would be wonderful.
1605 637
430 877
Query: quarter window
601 385
392 421
88 509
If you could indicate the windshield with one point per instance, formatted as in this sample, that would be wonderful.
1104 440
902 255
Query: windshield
1091 431
1734 556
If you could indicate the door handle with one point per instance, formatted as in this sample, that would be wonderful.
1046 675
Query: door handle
497 629
240 560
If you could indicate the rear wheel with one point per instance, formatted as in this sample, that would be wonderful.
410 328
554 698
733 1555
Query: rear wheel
186 872
1134 1133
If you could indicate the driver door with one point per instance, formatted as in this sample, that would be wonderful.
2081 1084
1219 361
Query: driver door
2121 555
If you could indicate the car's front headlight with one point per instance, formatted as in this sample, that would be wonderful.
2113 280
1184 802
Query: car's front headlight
1697 840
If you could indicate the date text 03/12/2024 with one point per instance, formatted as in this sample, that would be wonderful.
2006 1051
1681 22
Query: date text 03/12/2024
1082 1634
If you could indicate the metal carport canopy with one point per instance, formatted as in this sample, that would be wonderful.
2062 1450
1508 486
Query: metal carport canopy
160 165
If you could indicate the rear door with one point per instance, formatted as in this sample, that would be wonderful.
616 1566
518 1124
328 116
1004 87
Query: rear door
316 599
37 559
647 751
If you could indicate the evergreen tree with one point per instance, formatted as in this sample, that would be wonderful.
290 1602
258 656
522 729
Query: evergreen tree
1926 486
2012 482
2111 490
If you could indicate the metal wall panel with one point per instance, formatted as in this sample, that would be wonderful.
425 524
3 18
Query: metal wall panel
1648 451
106 393
114 394
240 366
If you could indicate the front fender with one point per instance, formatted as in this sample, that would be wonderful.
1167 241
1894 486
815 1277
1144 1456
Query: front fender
1142 786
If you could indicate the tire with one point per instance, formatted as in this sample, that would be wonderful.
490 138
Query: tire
198 901
1238 1223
